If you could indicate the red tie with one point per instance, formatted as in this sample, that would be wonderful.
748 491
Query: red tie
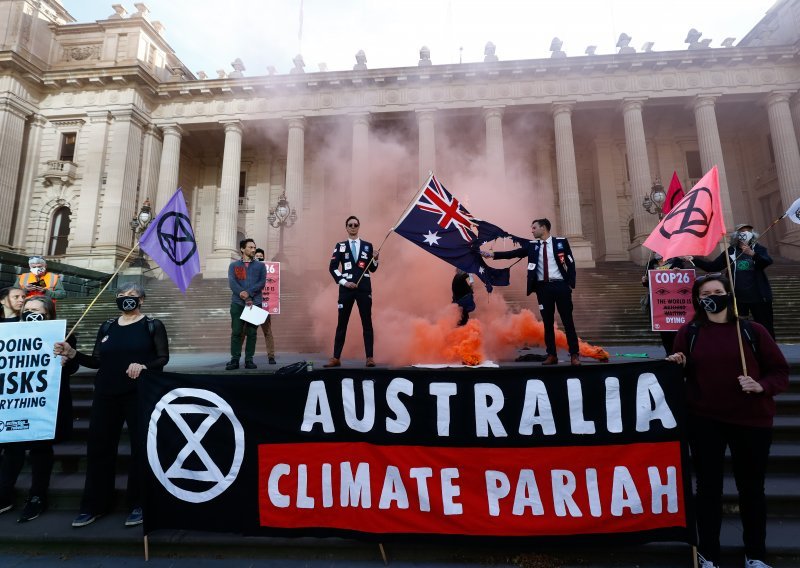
545 264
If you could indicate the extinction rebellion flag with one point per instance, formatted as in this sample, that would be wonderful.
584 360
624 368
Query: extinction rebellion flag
438 223
169 240
695 225
592 455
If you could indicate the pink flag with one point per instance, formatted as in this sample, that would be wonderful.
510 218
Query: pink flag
695 224
674 194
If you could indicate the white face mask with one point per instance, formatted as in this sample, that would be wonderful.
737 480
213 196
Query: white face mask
38 270
745 236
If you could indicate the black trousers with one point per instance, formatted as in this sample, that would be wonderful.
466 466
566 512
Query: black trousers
40 455
108 414
762 313
552 296
348 297
749 452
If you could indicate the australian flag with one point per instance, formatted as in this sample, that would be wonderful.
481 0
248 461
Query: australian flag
438 223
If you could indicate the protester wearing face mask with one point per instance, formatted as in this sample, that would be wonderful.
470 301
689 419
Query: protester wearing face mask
40 453
728 408
125 347
11 300
40 282
749 260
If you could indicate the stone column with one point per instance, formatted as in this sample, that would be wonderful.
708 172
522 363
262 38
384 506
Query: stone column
607 210
29 175
568 194
639 170
787 162
119 203
546 196
170 162
426 119
151 164
360 202
295 162
12 132
93 166
495 151
225 246
711 149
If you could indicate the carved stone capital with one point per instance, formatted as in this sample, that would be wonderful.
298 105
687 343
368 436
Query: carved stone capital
562 107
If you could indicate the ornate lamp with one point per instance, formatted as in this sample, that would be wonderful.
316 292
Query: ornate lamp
138 226
282 216
654 201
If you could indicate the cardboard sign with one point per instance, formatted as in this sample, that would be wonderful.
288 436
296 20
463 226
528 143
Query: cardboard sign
272 288
670 298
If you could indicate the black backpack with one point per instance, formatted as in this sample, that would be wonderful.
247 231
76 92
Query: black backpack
293 369
744 325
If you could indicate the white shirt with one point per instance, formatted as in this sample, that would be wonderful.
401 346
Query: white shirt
351 243
554 274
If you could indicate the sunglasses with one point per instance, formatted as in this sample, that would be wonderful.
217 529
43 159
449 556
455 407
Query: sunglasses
354 225
709 276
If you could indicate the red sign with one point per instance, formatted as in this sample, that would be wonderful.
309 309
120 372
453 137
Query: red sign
471 491
670 298
272 288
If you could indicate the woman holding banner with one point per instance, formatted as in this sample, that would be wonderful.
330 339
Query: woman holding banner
40 453
729 407
125 347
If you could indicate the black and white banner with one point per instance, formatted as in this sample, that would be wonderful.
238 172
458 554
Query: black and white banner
595 452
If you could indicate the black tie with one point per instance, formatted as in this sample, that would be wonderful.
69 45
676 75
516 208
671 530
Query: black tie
545 264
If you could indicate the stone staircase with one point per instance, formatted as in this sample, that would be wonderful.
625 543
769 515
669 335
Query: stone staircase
606 310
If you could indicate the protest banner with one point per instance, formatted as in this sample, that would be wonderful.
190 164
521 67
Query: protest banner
30 377
597 453
670 298
272 288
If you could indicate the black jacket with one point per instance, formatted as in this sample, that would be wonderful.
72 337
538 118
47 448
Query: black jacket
352 270
564 260
761 259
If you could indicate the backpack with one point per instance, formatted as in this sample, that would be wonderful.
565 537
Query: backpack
744 325
151 326
293 369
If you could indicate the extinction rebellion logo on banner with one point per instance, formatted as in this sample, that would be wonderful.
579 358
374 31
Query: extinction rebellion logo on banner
194 482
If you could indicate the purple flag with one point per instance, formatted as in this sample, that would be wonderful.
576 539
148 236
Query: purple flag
169 240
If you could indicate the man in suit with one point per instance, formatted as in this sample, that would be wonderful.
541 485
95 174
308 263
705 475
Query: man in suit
356 258
551 274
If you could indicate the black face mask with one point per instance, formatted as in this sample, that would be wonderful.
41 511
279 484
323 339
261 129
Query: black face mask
715 304
127 303
31 316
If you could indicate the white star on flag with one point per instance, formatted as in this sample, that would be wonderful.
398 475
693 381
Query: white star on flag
431 238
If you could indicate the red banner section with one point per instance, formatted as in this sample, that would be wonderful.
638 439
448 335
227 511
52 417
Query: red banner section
471 491
272 288
671 298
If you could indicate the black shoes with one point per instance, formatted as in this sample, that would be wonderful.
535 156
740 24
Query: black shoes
6 506
84 519
248 364
135 518
272 360
34 507
233 365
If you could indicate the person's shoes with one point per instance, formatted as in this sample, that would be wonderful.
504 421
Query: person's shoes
334 362
370 362
232 365
272 360
84 519
575 360
248 364
703 563
550 360
34 507
6 507
755 563
135 518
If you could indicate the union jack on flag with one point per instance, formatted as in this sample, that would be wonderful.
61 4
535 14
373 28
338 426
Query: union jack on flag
438 223
436 199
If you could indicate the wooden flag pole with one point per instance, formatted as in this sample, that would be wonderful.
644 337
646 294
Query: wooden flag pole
86 311
146 549
383 554
735 306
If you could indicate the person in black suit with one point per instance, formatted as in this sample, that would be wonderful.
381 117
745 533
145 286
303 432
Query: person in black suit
553 280
356 259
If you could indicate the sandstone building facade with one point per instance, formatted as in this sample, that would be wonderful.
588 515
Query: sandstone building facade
97 117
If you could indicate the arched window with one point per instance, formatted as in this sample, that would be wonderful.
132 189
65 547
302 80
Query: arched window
59 232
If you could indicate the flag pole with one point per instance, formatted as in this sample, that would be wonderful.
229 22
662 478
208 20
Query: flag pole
735 305
391 230
124 260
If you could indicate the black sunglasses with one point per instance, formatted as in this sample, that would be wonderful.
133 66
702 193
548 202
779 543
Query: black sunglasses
352 224
709 276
